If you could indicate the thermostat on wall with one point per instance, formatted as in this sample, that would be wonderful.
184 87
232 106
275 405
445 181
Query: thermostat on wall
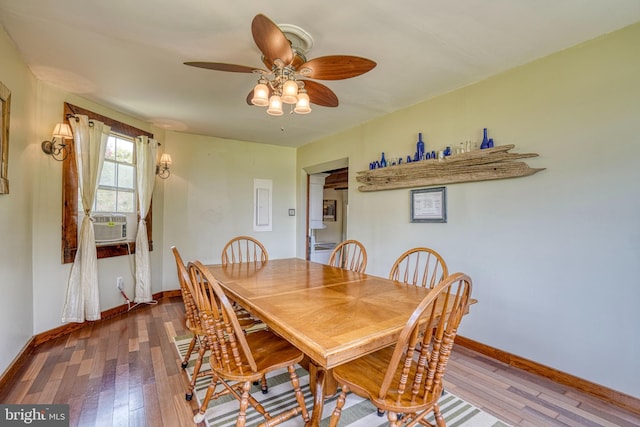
292 212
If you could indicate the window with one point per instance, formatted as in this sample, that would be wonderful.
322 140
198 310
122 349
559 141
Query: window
117 185
116 188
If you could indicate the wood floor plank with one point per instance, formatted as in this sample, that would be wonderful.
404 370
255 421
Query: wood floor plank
153 416
104 412
35 366
126 372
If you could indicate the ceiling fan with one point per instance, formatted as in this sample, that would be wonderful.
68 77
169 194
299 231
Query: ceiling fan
286 78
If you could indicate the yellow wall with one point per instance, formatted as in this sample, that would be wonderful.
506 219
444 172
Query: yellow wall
209 197
554 257
16 307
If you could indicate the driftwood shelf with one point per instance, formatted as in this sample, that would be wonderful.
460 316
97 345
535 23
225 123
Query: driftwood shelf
477 165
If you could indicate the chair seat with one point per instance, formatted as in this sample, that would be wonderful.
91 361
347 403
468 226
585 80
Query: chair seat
270 352
364 376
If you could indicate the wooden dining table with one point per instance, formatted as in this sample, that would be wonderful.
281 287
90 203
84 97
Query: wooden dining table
332 315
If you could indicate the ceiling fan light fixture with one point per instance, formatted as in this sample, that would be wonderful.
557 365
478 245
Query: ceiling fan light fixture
275 106
283 48
303 106
260 95
290 92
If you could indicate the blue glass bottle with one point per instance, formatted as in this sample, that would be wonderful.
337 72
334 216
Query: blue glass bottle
420 147
383 161
485 140
490 143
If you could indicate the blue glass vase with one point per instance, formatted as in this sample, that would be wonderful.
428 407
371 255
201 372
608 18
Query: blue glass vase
485 140
420 147
383 161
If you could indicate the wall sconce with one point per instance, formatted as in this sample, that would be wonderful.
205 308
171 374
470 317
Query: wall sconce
162 168
58 149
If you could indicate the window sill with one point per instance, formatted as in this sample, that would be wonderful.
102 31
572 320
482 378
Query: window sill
107 251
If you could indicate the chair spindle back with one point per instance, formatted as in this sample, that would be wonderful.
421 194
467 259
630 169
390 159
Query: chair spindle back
421 354
230 351
350 255
420 267
244 249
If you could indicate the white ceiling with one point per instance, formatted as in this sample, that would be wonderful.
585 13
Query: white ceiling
129 55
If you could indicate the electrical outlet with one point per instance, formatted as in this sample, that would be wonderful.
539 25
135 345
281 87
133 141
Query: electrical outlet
120 283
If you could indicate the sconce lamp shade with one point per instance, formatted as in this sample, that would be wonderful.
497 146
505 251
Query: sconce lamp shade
57 148
165 159
162 168
62 130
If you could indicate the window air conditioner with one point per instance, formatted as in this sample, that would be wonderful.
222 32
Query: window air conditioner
110 228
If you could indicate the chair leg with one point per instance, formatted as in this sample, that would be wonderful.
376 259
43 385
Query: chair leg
199 417
299 396
196 371
187 356
244 404
393 419
263 385
335 416
438 416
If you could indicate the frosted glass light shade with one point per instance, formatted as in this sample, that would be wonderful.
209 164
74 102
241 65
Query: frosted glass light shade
290 92
260 95
303 106
275 106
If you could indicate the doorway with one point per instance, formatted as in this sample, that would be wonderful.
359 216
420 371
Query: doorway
327 212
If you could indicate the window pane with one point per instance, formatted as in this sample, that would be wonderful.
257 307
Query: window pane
126 202
105 201
108 176
110 152
126 176
124 151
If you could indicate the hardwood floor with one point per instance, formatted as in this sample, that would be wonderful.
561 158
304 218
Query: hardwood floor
125 372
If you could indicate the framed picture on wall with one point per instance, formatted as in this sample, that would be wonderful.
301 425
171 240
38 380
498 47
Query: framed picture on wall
5 108
429 205
328 210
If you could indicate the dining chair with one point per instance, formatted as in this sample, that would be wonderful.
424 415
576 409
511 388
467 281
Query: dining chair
193 324
350 255
406 379
420 267
238 359
244 249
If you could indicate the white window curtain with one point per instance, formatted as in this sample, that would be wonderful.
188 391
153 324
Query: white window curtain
82 302
146 151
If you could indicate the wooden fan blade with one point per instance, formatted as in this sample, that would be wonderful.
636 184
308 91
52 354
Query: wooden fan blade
337 67
219 66
319 94
271 41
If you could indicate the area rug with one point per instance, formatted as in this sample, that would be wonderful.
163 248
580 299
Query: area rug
357 412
